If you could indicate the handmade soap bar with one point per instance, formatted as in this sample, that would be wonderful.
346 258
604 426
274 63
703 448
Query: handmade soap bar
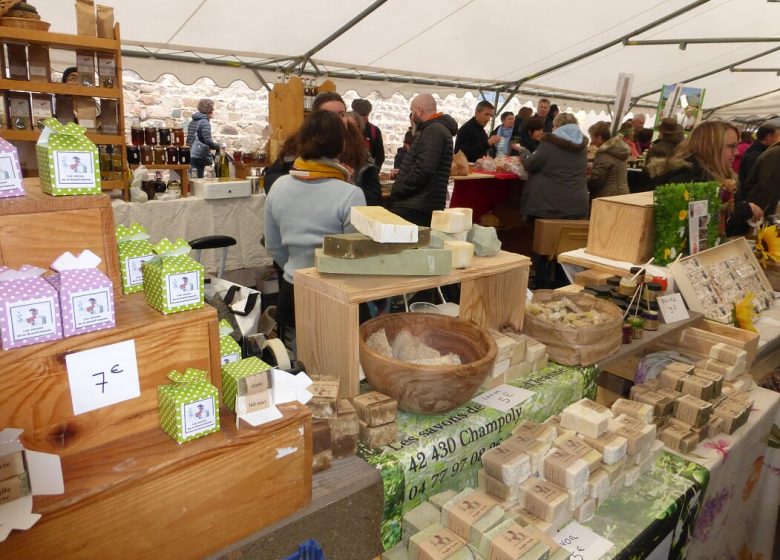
11 465
507 464
468 212
635 409
694 411
577 496
325 391
518 371
669 393
632 475
359 245
574 445
614 469
491 486
598 484
535 449
528 430
730 354
510 541
529 520
555 420
587 510
638 434
504 345
678 438
418 519
534 350
540 364
543 499
450 221
462 253
375 409
346 421
728 372
378 436
321 440
671 378
518 352
439 237
412 262
470 514
715 426
565 469
586 417
698 387
345 446
680 366
382 225
437 543
716 378
685 425
499 368
734 412
485 240
438 500
556 551
662 406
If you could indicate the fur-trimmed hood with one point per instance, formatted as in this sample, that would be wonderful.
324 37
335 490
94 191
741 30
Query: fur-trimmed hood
658 167
568 137
615 147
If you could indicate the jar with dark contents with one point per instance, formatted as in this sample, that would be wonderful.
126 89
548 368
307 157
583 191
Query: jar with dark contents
651 320
136 136
652 290
164 135
150 136
133 155
172 155
159 155
628 332
184 155
147 156
178 136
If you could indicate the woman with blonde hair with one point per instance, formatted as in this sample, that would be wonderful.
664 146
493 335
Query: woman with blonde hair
707 155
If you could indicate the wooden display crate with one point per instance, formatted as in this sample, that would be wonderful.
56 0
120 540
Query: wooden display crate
37 228
621 227
36 392
546 233
146 496
493 292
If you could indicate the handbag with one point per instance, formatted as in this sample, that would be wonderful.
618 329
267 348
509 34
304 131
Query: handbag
242 304
199 150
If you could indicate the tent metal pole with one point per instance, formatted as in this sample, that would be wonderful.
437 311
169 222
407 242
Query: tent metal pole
715 109
703 41
262 80
516 84
776 70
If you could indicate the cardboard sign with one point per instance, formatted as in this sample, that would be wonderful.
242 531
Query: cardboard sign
672 308
103 376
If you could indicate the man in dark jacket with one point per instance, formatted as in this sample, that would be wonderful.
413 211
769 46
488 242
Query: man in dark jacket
421 185
766 135
472 139
763 184
371 132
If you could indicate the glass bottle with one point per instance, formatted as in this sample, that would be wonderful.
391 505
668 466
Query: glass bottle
221 164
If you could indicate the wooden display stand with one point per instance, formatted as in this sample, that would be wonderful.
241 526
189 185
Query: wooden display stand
493 292
183 169
72 43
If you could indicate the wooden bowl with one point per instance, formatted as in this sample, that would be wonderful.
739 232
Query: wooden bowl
425 389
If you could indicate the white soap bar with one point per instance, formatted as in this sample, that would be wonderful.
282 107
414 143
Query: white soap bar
638 434
518 352
612 446
574 445
632 475
730 354
518 370
543 499
577 496
462 252
555 420
382 226
535 449
565 469
598 484
499 368
419 518
509 540
481 510
529 430
540 364
507 464
586 511
638 410
438 539
587 417
438 500
504 345
468 212
449 222
742 383
534 350
728 372
497 489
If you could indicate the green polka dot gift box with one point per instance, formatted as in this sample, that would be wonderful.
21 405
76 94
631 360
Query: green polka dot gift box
134 250
250 376
188 407
229 350
68 161
173 281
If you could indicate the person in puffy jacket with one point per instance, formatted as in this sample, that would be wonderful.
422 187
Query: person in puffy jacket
421 184
609 175
199 137
670 134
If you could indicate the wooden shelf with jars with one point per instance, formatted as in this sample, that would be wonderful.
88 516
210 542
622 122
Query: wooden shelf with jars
40 83
182 168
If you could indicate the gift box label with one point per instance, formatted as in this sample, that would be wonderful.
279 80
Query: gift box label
134 250
173 281
246 378
229 350
189 408
30 308
10 171
67 160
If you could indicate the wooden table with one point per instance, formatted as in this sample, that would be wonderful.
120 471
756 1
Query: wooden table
493 291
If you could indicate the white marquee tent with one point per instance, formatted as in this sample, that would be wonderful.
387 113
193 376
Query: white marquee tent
566 49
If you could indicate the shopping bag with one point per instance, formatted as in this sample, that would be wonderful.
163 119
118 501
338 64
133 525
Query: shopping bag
242 303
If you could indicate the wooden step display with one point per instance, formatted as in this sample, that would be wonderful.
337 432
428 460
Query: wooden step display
145 496
37 228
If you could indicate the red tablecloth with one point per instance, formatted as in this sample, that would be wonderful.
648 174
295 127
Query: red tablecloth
482 195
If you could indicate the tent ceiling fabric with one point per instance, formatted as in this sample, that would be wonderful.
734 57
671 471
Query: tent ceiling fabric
472 42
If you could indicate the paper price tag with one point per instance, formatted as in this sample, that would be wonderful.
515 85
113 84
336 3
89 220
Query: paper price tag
583 543
672 308
503 397
103 376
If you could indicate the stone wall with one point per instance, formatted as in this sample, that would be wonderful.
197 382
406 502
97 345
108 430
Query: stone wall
241 113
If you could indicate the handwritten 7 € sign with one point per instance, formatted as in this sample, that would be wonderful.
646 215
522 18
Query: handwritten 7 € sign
103 376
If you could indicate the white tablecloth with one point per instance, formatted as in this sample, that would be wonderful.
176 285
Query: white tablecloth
193 217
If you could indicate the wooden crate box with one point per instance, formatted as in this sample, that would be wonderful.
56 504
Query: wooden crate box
621 227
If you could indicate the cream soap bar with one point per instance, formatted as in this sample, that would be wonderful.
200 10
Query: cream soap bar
587 417
438 500
419 518
497 489
565 469
598 484
382 225
534 350
729 354
518 351
449 221
510 541
612 446
638 434
528 430
462 253
693 411
507 464
535 449
543 499
574 445
378 436
586 511
635 409
556 421
504 345
438 542
470 514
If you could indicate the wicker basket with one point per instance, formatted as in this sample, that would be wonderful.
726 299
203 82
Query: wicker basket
24 23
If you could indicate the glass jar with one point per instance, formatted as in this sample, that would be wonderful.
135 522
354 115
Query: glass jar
133 155
172 155
159 155
178 136
184 155
147 156
628 332
150 136
136 136
627 287
638 324
651 320
638 273
653 290
164 135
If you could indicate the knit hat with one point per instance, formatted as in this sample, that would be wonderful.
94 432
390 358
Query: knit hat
669 125
361 107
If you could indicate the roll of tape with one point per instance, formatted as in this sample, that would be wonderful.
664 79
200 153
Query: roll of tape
279 351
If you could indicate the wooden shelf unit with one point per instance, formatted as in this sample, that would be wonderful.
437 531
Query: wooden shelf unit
81 43
493 292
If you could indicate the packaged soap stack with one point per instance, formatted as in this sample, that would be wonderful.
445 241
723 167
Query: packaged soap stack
335 425
692 402
517 355
469 525
377 414
546 474
388 244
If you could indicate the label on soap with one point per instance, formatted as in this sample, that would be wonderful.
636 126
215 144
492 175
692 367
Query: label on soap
541 495
594 406
440 545
13 488
254 402
468 511
529 430
369 398
555 465
512 543
252 384
11 465
325 388
575 446
499 456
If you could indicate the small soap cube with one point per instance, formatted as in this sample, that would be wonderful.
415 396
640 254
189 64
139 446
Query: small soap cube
450 221
540 364
598 484
438 500
694 411
497 489
698 387
321 461
586 511
565 469
716 378
462 252
734 413
504 345
534 350
437 540
543 499
419 518
507 464
611 446
375 409
680 366
728 371
511 541
729 354
518 370
378 436
678 438
671 378
518 351
324 402
574 445
470 514
636 409
500 368
586 417
528 430
638 434
535 449
346 421
662 406
555 420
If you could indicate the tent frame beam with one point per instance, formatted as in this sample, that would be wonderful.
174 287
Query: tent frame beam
683 43
714 109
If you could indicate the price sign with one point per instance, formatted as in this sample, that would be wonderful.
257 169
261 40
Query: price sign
103 376
583 543
672 308
503 397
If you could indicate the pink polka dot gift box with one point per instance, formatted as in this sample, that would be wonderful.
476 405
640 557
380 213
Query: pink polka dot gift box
86 294
10 171
29 308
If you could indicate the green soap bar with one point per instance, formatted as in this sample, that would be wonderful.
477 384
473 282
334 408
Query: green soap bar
358 245
485 240
412 262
